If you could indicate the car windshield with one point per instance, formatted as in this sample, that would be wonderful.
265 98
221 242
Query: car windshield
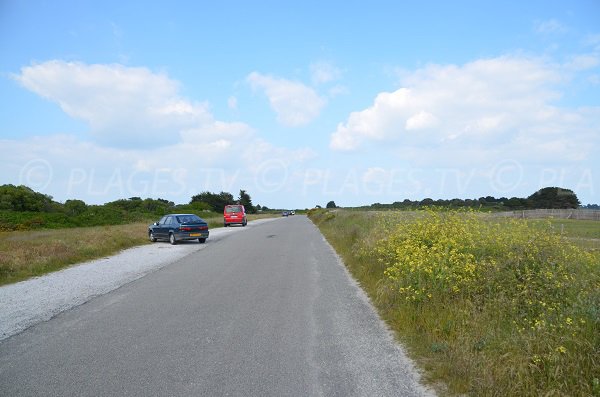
188 219
231 210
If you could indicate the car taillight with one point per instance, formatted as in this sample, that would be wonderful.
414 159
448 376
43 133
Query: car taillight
203 227
185 228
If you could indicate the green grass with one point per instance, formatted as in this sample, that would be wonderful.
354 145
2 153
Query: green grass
26 254
583 233
572 227
487 307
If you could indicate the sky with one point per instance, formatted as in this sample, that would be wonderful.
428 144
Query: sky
300 103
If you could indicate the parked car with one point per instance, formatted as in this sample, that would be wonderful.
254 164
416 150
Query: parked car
234 215
178 227
285 213
292 212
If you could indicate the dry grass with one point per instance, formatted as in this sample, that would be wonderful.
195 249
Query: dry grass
34 253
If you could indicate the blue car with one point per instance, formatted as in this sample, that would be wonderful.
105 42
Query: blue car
178 227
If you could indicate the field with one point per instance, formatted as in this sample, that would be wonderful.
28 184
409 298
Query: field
487 306
25 254
585 234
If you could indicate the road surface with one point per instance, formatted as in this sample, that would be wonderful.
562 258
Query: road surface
266 312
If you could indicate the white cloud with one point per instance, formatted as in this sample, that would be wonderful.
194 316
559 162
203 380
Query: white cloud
149 141
494 107
375 175
420 121
217 130
124 106
549 26
294 103
324 72
583 62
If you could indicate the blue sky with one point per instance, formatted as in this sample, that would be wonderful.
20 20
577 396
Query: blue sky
300 103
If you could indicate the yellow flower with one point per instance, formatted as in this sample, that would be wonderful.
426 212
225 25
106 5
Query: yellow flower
561 349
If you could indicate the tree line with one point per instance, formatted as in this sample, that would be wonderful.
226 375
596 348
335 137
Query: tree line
546 198
23 208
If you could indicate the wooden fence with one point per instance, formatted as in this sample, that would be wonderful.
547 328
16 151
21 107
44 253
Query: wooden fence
592 215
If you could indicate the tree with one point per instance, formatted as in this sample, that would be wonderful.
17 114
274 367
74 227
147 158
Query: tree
331 204
158 206
131 204
246 201
427 202
515 203
553 197
75 207
217 202
199 206
22 198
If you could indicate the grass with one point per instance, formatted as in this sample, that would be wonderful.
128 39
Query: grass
26 254
487 307
583 233
34 253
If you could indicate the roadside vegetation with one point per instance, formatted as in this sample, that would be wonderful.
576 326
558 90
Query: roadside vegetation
26 254
488 306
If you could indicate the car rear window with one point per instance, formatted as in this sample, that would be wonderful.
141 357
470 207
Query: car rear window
233 209
188 219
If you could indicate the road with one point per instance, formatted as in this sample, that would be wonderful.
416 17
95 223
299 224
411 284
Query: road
266 312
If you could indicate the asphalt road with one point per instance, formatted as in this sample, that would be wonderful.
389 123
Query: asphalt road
266 312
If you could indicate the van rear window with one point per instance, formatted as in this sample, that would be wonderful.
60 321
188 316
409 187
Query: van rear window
234 209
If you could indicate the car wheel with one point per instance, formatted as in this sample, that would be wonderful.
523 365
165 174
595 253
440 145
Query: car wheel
225 225
172 239
151 237
244 223
202 240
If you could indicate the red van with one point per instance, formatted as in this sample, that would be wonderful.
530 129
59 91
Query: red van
234 214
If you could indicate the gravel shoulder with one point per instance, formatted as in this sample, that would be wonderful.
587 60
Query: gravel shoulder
29 302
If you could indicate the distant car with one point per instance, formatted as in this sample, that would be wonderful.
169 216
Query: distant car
178 227
234 214
285 213
292 212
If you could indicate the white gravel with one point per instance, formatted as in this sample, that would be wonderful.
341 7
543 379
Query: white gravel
27 303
